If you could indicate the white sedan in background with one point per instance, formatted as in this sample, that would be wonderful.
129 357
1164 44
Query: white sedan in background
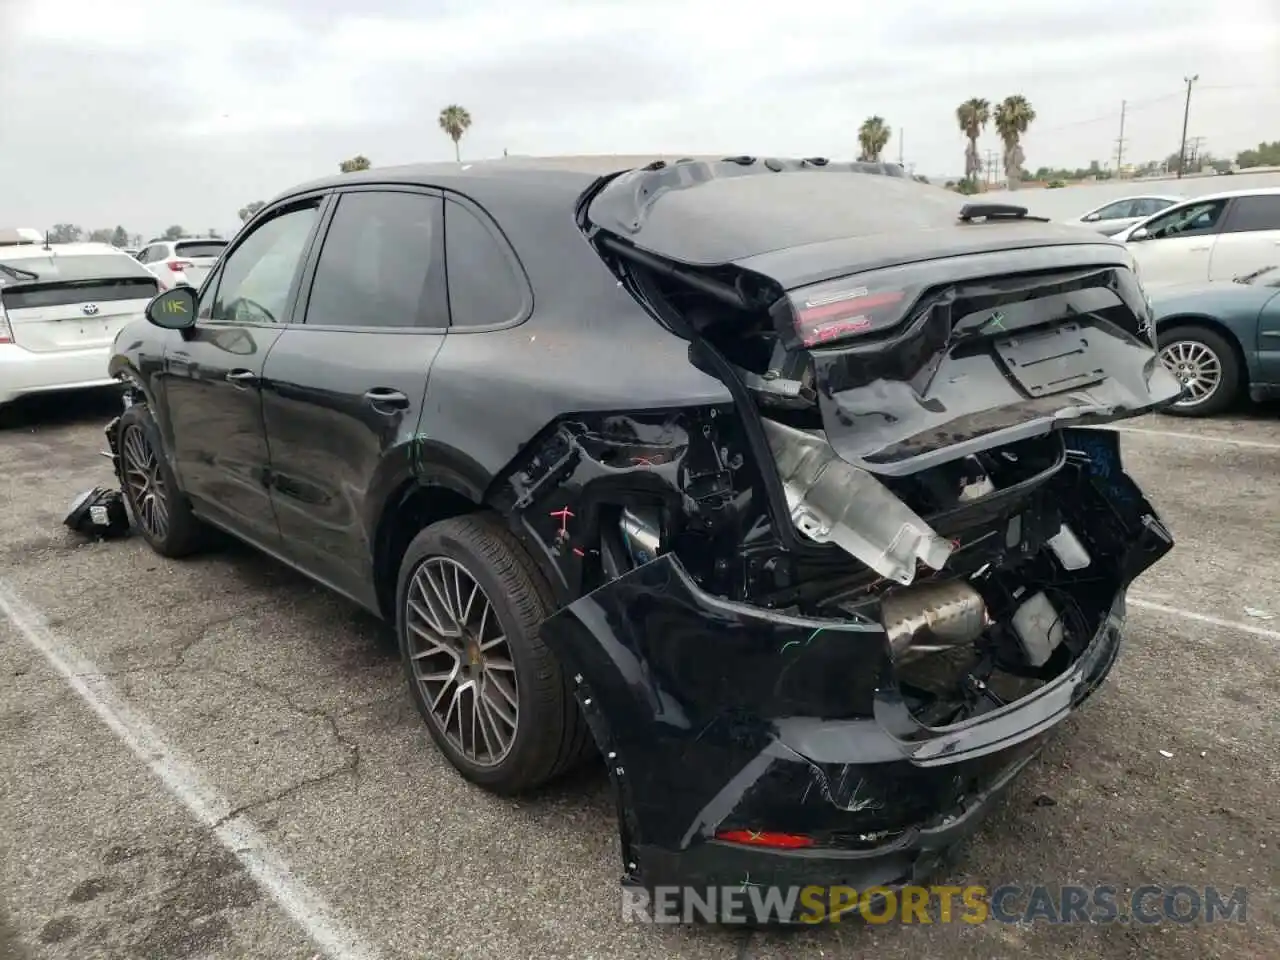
185 261
1220 236
1114 216
61 307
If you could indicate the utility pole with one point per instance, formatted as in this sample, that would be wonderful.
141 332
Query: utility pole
1120 140
1186 112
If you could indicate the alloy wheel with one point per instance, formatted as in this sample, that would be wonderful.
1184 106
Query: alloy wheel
1197 368
462 661
145 483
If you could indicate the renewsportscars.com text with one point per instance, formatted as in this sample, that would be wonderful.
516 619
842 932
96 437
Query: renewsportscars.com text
1010 903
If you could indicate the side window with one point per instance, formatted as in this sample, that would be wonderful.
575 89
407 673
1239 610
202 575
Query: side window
204 309
148 255
484 285
381 263
1150 205
257 276
1254 213
1114 211
1191 220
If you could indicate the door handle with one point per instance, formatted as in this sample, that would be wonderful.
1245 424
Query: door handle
242 378
384 399
1199 249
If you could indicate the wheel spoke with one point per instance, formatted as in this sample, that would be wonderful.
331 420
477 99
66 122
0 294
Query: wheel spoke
465 675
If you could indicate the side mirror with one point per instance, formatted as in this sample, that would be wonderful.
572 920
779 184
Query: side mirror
1090 217
174 309
1140 234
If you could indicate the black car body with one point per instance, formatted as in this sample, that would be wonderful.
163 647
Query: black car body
797 455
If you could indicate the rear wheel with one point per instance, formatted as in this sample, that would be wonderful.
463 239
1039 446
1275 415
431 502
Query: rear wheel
469 605
157 508
1205 364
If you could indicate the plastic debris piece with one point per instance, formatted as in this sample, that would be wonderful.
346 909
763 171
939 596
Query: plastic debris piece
1258 614
1166 754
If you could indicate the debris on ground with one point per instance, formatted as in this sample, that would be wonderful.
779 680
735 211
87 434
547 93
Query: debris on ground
99 513
1258 614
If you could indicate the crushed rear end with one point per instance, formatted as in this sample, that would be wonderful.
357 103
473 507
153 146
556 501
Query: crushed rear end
819 629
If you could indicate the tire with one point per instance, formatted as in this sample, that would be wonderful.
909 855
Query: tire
1192 348
138 441
550 735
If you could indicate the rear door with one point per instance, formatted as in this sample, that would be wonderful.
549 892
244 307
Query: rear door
344 389
195 258
78 302
1179 244
1250 238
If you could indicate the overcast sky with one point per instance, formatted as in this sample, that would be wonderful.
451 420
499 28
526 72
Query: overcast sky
151 113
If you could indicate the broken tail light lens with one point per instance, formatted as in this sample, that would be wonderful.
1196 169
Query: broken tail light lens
851 307
765 838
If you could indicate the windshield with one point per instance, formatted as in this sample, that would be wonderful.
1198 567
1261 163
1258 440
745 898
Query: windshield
53 268
200 248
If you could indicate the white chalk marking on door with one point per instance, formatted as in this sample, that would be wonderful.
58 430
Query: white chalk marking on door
185 782
1206 618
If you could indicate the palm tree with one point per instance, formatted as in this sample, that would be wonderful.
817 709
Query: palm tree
1013 116
454 120
973 115
358 162
873 135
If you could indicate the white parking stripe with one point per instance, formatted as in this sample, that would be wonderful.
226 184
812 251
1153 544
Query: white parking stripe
1205 618
187 785
1175 435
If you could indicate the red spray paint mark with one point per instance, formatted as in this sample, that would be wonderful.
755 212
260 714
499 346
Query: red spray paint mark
563 515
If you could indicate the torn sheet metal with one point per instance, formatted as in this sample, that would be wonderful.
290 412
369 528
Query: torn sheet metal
834 502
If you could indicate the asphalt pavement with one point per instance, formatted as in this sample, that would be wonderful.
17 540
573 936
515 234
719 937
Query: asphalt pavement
216 758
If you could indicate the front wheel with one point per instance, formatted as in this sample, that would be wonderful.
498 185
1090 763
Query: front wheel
157 508
1206 366
470 602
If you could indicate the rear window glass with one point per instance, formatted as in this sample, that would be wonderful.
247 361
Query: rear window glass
202 248
55 294
62 269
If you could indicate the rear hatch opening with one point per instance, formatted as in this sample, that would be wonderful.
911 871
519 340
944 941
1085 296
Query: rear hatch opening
922 421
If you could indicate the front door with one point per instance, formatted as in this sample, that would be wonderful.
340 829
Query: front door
1179 244
344 390
213 375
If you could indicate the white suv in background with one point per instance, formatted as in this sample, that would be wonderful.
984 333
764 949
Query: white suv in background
186 261
1219 236
61 307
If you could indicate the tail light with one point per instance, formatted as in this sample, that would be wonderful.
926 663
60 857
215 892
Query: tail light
177 266
765 838
837 310
6 332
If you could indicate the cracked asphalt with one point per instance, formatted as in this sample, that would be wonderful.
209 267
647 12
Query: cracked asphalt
291 703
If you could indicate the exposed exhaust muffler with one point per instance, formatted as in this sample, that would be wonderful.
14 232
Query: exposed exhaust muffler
932 617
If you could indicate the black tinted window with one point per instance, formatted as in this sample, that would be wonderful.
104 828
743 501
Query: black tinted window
484 286
380 265
199 248
1254 213
1149 205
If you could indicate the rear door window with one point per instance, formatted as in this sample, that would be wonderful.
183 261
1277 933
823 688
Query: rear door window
486 287
1150 205
1250 214
382 263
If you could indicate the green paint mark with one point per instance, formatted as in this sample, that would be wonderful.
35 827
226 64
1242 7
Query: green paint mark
995 321
797 643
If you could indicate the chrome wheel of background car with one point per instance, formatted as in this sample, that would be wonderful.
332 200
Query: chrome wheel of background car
1197 368
461 660
145 483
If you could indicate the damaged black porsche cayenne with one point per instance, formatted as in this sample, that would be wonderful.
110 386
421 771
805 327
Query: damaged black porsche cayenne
777 483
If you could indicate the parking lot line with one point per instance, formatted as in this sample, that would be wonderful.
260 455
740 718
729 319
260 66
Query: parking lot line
1206 618
188 786
1177 435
